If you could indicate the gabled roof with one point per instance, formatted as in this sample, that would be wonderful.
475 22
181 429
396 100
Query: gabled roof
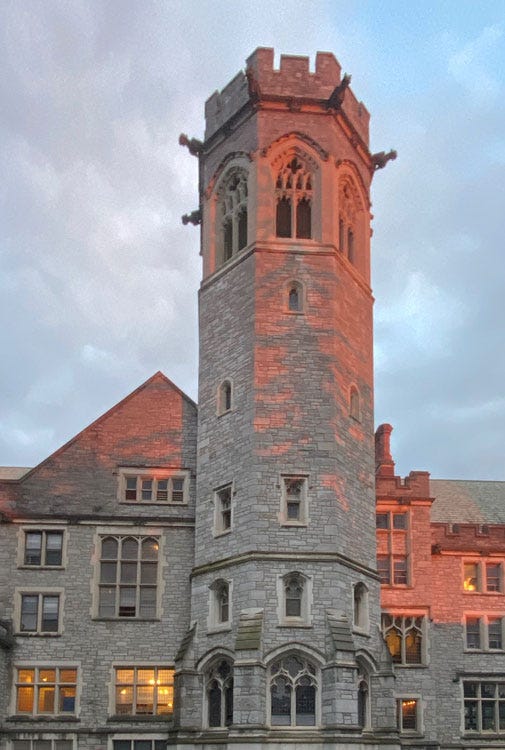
467 501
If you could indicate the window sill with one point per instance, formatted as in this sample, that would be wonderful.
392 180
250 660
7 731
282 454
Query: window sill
299 623
158 504
294 312
37 635
296 524
41 567
32 719
479 651
410 666
217 534
224 628
361 631
126 619
223 413
134 718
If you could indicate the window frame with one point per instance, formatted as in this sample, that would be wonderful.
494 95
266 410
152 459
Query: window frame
417 699
299 287
360 608
221 399
393 558
294 195
214 623
58 684
120 535
40 593
221 526
50 737
304 620
315 676
155 475
303 517
225 684
484 619
478 699
135 684
229 210
44 530
482 578
404 627
132 738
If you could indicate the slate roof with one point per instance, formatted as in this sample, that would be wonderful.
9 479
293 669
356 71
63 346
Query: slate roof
467 501
13 472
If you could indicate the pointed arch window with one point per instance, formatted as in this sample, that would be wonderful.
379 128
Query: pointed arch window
354 403
295 297
347 220
224 397
295 600
220 605
360 607
219 688
363 701
232 214
294 692
404 636
294 193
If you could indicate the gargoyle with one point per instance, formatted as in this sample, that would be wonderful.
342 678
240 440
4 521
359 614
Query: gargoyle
195 217
337 96
193 144
380 159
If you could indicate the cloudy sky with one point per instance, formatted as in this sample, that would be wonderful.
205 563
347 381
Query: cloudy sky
98 277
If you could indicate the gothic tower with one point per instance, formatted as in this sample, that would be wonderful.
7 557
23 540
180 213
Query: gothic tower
284 640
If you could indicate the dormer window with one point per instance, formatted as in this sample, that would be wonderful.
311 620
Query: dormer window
294 192
232 215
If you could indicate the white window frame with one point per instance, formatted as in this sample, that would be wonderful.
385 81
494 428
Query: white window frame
43 529
214 624
219 528
136 666
40 592
419 730
138 533
482 582
483 619
40 665
154 475
303 517
305 619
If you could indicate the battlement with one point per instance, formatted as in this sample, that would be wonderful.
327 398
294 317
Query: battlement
293 80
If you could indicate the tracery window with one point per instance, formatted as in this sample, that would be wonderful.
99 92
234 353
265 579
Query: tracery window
233 214
293 691
404 637
294 193
220 694
347 221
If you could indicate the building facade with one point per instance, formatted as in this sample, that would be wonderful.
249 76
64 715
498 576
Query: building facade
251 572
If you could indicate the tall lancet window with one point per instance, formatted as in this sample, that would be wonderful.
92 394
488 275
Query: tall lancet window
348 219
233 214
220 694
294 191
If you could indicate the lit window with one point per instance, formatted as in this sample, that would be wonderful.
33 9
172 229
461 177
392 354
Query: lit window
293 692
294 200
232 213
483 577
219 684
484 706
484 632
144 691
43 548
220 611
163 487
128 577
294 501
404 636
360 607
392 544
39 613
224 397
46 690
408 715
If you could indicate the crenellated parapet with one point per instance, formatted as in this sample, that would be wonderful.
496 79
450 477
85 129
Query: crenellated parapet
293 86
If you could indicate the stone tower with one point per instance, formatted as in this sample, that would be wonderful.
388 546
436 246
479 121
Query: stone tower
284 639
